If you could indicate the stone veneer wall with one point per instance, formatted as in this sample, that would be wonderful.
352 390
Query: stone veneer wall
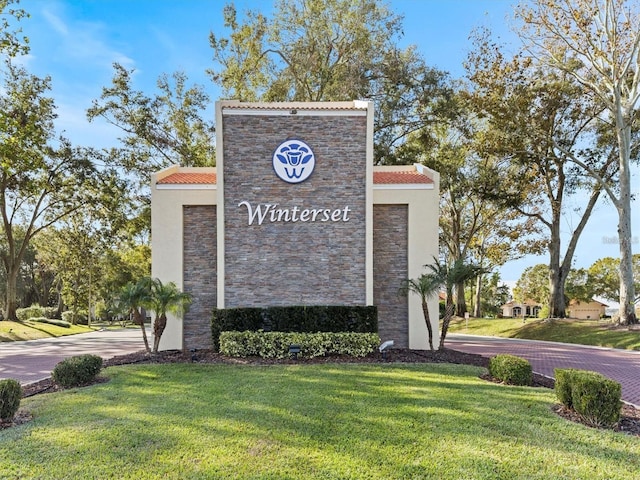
390 268
199 274
294 263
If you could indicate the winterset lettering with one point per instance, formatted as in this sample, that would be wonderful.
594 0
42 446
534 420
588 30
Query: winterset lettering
271 212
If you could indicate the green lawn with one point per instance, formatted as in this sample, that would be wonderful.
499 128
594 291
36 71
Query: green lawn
388 421
16 331
584 332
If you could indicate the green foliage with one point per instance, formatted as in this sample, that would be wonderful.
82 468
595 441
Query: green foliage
511 369
75 318
331 318
166 128
604 279
544 311
76 371
165 298
51 321
578 286
276 344
425 286
331 50
563 384
596 398
533 284
27 313
10 395
448 276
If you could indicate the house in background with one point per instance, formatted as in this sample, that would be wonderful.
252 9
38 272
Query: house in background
514 309
586 310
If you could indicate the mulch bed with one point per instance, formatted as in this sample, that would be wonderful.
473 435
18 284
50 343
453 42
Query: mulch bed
629 422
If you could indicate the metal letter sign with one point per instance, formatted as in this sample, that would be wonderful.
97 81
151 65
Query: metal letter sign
293 161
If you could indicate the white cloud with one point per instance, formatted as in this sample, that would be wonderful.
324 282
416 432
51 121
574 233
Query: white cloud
56 22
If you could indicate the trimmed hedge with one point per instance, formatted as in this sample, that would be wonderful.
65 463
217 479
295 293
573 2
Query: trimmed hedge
276 344
51 321
76 371
301 319
596 398
10 395
511 369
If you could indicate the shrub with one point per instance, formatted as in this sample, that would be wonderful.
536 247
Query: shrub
511 369
563 385
10 395
77 370
544 312
50 312
276 344
596 398
51 321
27 313
75 318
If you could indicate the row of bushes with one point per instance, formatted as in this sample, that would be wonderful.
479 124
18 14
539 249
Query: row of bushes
302 319
36 312
51 321
594 397
276 344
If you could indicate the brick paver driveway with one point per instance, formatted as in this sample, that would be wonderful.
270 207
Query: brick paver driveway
620 365
34 360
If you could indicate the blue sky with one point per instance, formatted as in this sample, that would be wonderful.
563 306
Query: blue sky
77 41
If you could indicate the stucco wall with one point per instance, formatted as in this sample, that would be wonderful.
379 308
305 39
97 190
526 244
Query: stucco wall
292 263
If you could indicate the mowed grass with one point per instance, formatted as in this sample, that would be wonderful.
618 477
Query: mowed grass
584 332
385 421
18 331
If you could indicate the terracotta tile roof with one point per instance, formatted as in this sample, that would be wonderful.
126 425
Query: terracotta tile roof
401 177
379 178
189 179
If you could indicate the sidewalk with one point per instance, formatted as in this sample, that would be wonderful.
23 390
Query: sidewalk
620 365
33 360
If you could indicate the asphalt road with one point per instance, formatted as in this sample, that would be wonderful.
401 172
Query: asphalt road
33 360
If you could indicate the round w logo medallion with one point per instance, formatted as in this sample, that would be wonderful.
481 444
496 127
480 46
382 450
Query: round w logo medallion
293 161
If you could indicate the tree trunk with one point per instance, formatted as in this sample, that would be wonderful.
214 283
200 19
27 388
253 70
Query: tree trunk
12 293
139 319
627 287
159 325
427 319
448 314
557 299
477 311
461 303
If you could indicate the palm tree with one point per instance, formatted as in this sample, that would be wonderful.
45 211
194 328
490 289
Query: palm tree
132 298
426 286
450 276
163 299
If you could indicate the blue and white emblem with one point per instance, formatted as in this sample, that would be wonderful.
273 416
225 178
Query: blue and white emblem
293 161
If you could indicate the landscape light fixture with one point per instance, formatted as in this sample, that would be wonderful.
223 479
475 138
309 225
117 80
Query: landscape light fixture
294 350
384 346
